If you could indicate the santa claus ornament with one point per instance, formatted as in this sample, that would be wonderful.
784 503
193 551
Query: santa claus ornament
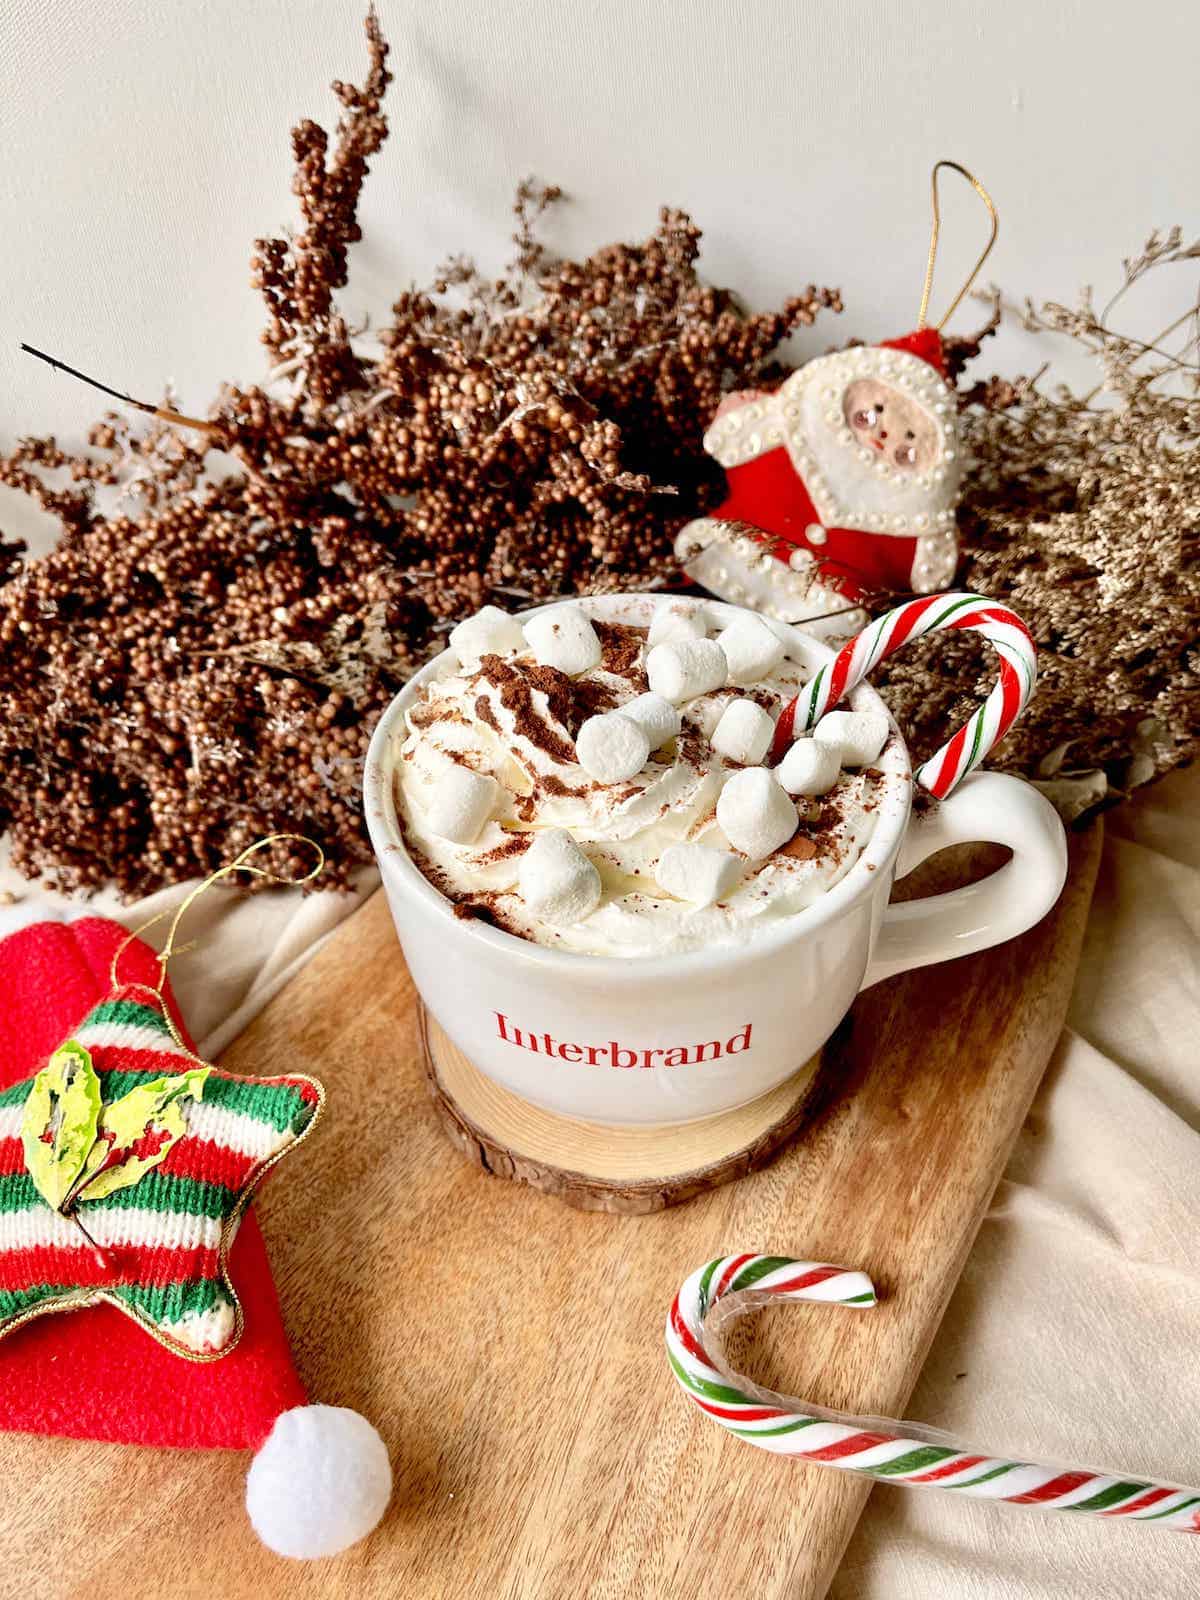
126 1166
843 481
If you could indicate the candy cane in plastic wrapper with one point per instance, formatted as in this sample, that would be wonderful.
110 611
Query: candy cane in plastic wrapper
886 635
902 1453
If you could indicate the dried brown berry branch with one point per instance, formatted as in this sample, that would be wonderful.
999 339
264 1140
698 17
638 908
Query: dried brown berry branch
200 662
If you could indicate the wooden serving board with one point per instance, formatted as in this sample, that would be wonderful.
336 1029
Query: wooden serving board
509 1348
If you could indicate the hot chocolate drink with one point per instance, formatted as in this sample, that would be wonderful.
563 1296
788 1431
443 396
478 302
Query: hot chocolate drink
605 788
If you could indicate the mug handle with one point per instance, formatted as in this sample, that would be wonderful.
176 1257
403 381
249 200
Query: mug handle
986 807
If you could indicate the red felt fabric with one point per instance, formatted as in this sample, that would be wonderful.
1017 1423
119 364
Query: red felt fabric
94 1374
926 343
768 493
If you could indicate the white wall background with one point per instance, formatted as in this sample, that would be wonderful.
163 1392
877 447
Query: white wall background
145 144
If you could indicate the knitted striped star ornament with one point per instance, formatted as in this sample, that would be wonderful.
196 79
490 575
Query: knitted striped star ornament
149 1212
126 1165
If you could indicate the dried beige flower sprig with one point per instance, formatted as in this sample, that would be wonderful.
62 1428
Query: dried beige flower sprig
1083 512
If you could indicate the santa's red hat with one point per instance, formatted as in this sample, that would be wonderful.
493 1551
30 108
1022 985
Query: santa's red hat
165 1293
923 342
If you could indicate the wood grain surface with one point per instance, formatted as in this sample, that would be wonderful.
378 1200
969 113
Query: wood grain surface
626 1171
509 1348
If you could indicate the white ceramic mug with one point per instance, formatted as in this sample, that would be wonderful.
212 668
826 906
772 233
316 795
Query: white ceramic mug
679 1037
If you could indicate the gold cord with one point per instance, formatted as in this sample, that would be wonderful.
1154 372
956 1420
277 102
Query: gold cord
169 949
933 241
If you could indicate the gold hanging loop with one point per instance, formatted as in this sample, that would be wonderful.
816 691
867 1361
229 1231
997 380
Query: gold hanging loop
933 241
240 863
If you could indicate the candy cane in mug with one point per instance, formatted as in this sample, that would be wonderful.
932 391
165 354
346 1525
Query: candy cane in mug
931 614
903 1453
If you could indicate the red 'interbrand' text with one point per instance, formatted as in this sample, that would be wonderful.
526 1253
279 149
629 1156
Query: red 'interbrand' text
613 1054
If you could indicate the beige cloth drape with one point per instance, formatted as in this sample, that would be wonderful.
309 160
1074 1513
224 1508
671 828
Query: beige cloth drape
1075 1331
1074 1334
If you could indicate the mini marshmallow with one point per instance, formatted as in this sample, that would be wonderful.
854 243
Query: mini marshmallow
809 768
697 873
751 649
755 814
674 620
460 803
744 732
489 632
557 881
612 747
686 668
563 637
785 632
657 717
857 736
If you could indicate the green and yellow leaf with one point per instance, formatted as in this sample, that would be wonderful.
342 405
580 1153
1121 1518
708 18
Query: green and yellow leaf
58 1129
135 1133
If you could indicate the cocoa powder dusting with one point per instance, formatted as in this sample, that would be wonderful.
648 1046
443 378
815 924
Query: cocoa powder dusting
485 908
430 711
569 702
692 746
556 686
516 686
800 847
591 698
550 783
424 715
515 844
621 651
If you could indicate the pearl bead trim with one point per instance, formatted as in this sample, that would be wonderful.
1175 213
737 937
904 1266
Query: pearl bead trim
741 569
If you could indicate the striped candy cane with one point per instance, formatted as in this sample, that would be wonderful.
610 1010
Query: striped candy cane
894 1452
969 746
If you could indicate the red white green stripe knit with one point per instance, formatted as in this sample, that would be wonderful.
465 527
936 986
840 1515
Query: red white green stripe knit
894 1452
931 614
162 1241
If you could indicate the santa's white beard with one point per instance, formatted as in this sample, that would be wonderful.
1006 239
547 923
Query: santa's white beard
852 485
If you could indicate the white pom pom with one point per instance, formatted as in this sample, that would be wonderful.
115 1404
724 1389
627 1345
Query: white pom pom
320 1482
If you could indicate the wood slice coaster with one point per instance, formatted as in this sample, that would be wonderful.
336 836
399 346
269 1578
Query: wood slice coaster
594 1166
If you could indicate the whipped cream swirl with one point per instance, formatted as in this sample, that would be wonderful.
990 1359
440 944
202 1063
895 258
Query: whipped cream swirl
511 719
